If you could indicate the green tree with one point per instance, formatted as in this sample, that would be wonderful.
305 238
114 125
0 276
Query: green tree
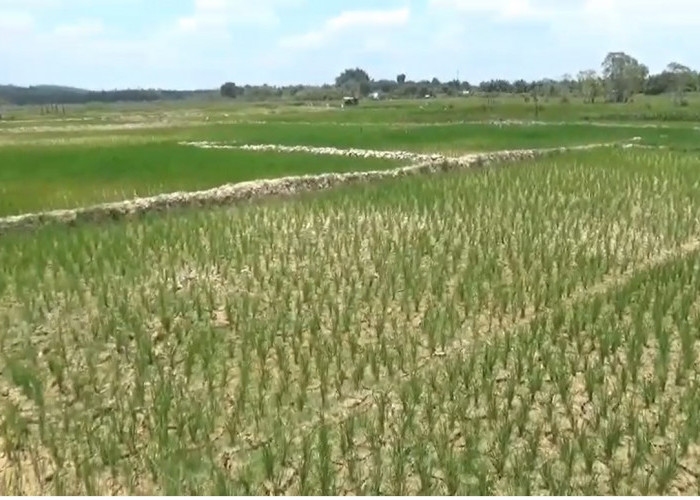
520 86
401 79
682 78
589 85
624 75
536 91
356 80
230 90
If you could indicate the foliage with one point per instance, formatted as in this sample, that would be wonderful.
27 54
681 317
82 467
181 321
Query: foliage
229 89
624 75
355 79
48 94
36 179
591 85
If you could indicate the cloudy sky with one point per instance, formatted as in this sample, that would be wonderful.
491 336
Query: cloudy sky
201 43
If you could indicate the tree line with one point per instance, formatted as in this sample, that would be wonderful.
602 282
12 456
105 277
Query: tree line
619 79
49 95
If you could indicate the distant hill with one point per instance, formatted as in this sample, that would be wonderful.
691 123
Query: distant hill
56 94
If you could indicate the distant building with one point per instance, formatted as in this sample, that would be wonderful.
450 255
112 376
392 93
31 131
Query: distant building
375 96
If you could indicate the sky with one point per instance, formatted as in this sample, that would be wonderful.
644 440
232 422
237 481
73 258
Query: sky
186 44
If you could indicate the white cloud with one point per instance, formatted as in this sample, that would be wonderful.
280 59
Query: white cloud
646 12
79 29
27 4
345 22
502 10
617 14
219 14
15 21
253 41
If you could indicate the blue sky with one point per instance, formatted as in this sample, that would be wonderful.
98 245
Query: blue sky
104 44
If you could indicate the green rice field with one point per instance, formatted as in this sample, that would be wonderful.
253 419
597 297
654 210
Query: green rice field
524 330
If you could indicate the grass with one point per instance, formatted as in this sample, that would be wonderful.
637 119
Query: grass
41 178
507 331
49 170
643 109
96 156
424 138
374 136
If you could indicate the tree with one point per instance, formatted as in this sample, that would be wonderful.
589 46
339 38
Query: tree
356 79
536 91
589 84
659 84
230 90
401 79
520 86
624 75
682 78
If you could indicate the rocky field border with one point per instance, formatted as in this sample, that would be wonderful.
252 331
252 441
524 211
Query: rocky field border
230 194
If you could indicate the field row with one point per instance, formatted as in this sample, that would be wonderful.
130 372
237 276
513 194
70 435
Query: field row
447 138
45 170
36 180
507 331
648 108
283 186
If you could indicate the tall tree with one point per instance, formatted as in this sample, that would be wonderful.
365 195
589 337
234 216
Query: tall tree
536 91
624 75
401 79
589 84
566 85
229 89
520 86
682 78
355 79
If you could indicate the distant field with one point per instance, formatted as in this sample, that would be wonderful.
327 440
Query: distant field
414 137
42 178
644 108
508 331
76 164
43 166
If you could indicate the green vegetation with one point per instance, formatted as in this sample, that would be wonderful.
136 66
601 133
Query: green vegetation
45 166
659 108
506 331
503 331
42 178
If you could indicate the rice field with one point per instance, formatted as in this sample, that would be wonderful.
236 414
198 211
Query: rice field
521 330
40 178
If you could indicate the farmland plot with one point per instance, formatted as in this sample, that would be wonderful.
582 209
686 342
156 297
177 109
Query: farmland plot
525 330
36 179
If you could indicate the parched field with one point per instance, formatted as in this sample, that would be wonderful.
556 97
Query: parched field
520 330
